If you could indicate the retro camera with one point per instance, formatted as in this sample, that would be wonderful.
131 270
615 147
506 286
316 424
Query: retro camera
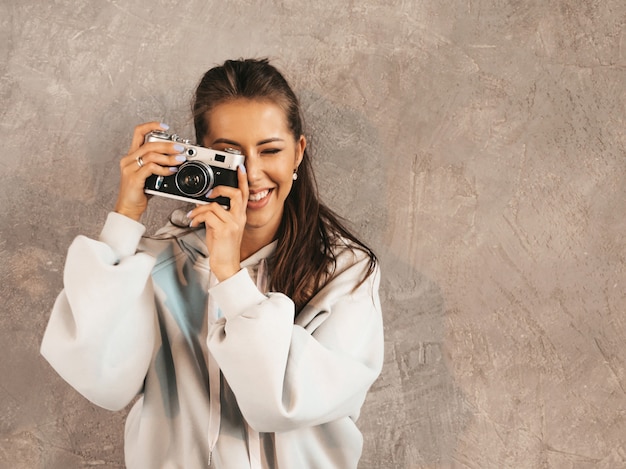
204 169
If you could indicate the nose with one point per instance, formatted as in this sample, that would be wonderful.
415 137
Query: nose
253 166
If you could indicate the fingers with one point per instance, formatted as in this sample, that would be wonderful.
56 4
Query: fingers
238 201
242 180
143 160
212 215
160 158
151 158
238 195
140 132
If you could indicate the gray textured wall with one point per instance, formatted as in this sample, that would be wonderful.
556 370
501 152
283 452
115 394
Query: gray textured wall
477 144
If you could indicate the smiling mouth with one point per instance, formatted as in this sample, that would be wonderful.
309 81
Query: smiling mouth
259 195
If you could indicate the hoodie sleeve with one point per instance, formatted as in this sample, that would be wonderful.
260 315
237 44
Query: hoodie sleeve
101 330
286 376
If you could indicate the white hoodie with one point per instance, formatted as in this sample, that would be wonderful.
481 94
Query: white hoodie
145 317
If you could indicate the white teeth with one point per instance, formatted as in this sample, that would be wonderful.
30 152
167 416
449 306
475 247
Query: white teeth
258 196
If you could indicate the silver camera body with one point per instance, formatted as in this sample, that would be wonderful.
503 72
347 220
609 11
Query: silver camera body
204 169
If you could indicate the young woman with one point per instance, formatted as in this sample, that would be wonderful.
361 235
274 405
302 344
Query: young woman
251 337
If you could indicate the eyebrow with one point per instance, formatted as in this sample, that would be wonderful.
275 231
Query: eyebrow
262 142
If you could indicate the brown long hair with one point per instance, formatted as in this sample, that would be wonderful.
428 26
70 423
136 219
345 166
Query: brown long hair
309 233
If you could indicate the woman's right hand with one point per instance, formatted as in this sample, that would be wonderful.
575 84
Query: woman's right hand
143 160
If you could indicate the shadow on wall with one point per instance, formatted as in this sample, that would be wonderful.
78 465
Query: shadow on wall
414 412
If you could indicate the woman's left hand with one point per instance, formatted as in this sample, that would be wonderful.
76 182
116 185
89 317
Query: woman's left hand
224 228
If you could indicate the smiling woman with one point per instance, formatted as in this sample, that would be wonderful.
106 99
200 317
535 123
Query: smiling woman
251 337
272 155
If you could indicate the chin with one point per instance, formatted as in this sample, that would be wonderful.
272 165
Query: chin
258 220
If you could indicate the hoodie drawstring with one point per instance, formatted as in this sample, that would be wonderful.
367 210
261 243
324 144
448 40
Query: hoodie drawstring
215 375
254 439
215 378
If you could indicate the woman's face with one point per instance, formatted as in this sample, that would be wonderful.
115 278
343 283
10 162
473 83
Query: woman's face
259 130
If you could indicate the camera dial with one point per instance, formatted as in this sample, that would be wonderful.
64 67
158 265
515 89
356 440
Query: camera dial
179 139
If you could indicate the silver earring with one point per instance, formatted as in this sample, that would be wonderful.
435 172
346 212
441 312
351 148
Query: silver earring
295 175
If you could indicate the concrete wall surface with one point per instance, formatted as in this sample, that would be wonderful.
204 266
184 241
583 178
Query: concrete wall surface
478 145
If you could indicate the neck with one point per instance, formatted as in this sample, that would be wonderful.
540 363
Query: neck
252 241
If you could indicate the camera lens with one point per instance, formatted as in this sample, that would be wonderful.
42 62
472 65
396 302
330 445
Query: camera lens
194 178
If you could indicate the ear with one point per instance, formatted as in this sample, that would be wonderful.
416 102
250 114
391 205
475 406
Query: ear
300 147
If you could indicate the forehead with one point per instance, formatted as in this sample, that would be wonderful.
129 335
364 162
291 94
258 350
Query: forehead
249 118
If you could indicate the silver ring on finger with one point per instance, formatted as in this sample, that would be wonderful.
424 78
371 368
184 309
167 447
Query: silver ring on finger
139 161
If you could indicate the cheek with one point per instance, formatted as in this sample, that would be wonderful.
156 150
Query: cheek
285 184
282 171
